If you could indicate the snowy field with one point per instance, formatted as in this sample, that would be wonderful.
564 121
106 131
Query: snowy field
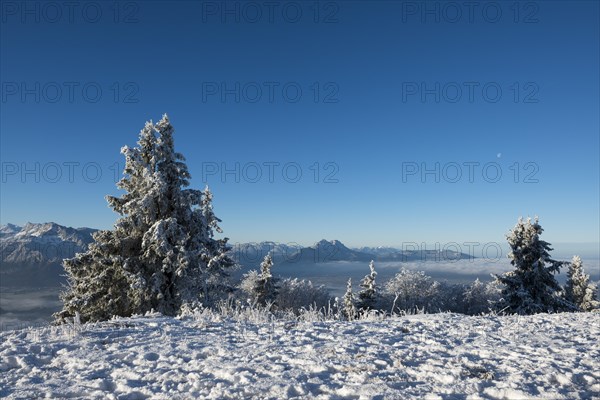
207 356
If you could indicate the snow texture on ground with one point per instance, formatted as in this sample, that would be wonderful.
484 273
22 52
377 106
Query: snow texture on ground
423 356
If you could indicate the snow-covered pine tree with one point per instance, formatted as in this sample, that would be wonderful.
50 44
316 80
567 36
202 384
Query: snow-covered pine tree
161 252
578 289
349 311
367 297
531 287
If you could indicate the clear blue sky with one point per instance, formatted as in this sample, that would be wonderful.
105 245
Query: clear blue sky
374 66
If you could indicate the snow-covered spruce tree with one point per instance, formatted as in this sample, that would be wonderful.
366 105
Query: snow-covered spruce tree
349 311
367 297
261 286
531 287
161 253
578 289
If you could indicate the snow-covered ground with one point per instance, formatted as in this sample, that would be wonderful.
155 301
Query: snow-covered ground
206 356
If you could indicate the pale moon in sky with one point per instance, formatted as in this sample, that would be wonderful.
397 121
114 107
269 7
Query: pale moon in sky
499 155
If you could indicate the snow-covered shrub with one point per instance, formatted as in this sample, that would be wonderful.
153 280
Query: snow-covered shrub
449 298
411 290
578 289
295 294
162 252
531 288
233 309
414 291
261 287
248 285
480 298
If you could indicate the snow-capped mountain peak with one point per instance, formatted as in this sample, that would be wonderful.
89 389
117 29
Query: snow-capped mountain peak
329 243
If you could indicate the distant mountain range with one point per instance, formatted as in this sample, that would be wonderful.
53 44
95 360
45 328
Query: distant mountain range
33 253
334 250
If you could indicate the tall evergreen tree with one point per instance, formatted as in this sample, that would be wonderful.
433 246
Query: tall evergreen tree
161 253
578 289
531 287
368 294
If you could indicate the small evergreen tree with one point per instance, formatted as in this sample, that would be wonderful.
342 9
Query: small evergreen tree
578 289
268 290
161 253
349 311
216 253
531 288
368 294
